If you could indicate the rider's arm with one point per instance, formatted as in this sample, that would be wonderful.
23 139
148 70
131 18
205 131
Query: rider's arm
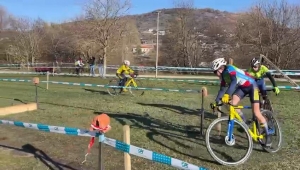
266 71
119 71
269 75
233 83
131 71
221 91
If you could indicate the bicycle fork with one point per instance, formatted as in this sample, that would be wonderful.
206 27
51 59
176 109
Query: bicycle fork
230 129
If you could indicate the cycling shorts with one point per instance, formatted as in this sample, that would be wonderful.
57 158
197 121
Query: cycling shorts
251 90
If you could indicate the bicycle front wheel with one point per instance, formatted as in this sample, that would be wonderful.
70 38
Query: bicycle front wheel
113 91
236 153
136 92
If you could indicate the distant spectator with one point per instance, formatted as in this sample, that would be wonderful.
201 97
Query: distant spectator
101 67
79 66
92 66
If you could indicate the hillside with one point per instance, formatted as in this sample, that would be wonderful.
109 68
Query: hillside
149 20
215 30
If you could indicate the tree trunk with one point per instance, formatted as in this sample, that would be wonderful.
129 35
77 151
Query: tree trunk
104 59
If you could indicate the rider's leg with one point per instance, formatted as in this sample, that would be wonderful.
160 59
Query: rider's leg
237 96
120 79
77 70
124 80
263 89
254 98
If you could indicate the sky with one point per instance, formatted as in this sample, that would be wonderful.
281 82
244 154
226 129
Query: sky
64 10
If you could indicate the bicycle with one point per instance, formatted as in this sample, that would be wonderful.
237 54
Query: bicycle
252 134
130 84
266 104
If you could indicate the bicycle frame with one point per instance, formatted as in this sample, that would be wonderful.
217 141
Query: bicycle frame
234 115
131 80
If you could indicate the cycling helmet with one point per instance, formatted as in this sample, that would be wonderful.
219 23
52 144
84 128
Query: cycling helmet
254 62
126 62
217 63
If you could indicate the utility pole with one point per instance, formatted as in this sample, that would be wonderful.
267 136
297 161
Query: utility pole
157 32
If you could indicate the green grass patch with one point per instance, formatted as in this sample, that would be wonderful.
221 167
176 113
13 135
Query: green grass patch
164 122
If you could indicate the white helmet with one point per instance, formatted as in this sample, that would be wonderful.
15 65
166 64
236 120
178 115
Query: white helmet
217 63
126 62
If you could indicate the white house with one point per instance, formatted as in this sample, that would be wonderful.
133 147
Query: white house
145 48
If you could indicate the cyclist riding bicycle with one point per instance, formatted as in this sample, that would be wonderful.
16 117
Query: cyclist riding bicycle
240 84
259 71
122 71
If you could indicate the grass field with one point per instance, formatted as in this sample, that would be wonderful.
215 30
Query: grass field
165 122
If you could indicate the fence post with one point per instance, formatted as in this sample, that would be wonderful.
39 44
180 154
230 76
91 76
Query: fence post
47 80
100 156
36 81
230 61
203 95
53 69
126 138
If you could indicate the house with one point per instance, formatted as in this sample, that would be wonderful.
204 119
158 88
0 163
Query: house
145 48
145 41
160 33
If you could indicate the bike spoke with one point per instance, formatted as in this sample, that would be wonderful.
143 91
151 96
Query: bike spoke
225 150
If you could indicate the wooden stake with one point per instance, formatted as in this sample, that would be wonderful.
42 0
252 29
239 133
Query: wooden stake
126 136
47 80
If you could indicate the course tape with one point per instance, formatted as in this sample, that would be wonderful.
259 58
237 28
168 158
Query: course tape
121 146
107 86
140 88
274 72
160 68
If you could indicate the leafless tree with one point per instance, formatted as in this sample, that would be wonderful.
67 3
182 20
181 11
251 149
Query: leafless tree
5 18
26 42
182 45
104 21
273 29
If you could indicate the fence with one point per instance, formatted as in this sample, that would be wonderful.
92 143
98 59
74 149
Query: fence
70 68
136 88
121 146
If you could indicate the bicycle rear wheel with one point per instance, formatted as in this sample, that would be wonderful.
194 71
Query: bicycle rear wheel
215 127
113 91
136 92
274 130
268 105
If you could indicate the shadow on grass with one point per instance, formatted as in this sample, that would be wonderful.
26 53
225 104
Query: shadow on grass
55 104
164 129
62 105
181 110
19 100
40 87
14 99
96 91
43 157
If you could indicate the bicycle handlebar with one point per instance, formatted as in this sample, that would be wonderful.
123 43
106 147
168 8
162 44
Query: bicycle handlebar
134 75
217 107
221 104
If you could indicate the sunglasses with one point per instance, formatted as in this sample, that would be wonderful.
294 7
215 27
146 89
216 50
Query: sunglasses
215 72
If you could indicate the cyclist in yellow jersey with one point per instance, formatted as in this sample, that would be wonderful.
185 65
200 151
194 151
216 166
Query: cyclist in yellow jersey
258 72
122 71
